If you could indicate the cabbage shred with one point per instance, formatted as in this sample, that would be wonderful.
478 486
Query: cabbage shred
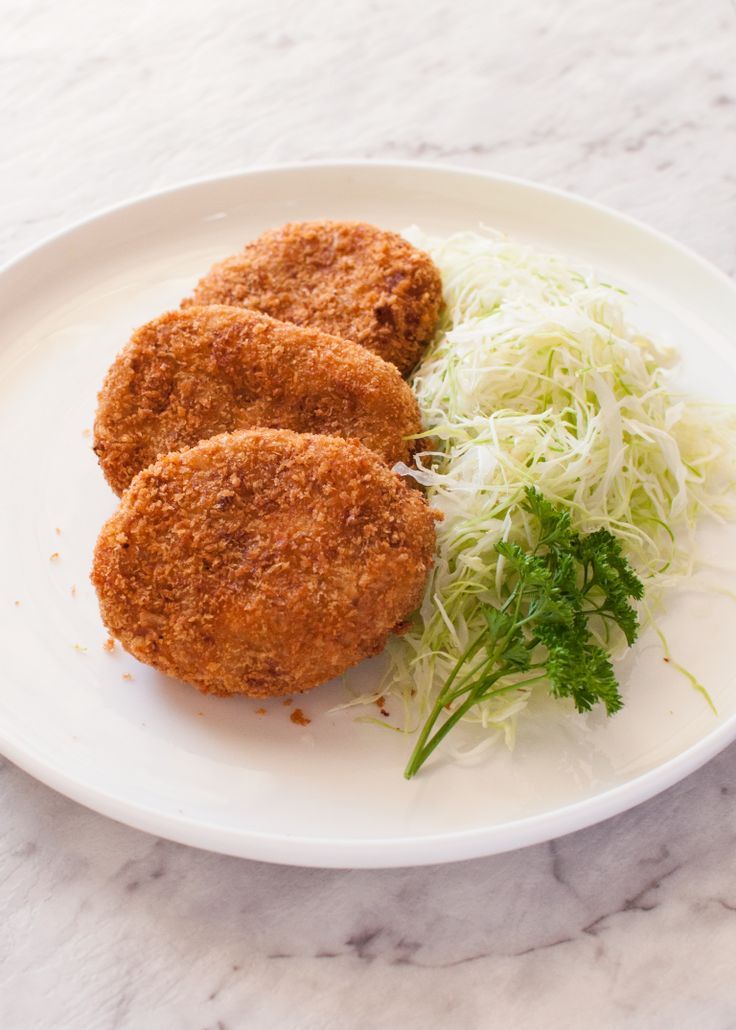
537 379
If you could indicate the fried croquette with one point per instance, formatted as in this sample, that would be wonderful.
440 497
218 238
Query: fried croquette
192 374
346 278
263 562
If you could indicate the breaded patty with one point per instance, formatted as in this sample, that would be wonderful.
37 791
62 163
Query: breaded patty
346 278
263 562
192 374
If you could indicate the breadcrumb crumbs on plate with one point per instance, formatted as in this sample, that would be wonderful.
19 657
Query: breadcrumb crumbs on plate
127 677
298 717
73 591
109 645
286 701
260 711
17 604
86 432
54 556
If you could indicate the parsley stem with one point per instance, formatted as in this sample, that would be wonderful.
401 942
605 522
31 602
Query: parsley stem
424 749
442 700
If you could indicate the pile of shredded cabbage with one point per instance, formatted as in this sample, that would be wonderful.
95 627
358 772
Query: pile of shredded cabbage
537 378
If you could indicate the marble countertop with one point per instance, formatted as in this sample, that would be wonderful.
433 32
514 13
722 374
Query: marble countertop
631 923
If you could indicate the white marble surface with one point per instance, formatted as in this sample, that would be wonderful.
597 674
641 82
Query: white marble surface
628 924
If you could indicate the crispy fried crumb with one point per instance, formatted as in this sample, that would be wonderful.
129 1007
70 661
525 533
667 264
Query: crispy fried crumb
54 556
347 278
86 432
250 371
200 715
109 645
57 531
17 604
73 591
260 711
288 701
322 551
299 717
384 713
127 677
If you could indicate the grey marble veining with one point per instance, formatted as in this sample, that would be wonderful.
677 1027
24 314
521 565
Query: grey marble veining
628 924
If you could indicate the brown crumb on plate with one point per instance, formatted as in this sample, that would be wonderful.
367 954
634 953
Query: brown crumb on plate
127 677
299 717
288 701
73 591
109 645
54 556
380 704
260 711
57 531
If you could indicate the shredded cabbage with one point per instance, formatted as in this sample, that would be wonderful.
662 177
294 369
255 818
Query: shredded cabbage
537 378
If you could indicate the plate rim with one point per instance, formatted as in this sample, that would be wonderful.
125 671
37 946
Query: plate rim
373 852
380 852
347 163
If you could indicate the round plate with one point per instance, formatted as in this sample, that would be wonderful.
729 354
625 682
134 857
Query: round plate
221 774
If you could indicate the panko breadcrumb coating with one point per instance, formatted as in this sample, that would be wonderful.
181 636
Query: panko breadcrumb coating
263 562
192 374
346 278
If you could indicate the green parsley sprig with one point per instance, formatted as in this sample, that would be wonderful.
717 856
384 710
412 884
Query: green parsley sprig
556 591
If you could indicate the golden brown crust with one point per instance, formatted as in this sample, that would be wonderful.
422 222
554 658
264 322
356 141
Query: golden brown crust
346 278
192 374
262 562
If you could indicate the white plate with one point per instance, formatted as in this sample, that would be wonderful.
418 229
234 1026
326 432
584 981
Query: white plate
154 753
